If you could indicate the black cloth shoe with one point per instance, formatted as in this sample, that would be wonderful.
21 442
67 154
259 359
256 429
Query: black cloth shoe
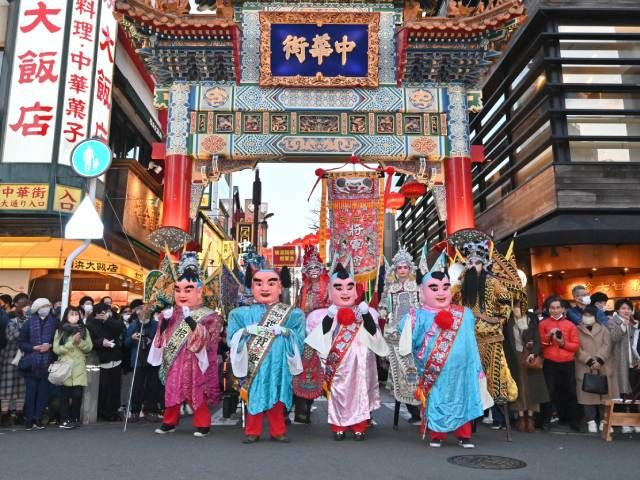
281 439
201 432
359 436
339 436
251 439
164 429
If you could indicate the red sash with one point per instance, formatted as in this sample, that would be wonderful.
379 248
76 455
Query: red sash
341 344
439 355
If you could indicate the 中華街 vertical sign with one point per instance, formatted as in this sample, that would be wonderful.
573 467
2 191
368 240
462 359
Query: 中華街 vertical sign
319 49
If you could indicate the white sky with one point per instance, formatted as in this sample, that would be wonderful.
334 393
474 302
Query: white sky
285 187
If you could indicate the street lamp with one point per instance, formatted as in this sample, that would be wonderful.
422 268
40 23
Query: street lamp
262 231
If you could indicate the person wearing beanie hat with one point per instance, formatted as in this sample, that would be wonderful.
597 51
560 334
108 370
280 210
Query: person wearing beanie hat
106 335
36 341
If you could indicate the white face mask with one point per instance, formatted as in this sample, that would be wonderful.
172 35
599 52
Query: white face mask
44 311
126 317
167 312
557 317
586 300
88 308
588 320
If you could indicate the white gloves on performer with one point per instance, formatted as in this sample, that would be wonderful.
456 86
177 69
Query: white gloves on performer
256 329
363 308
185 311
253 329
332 311
167 313
278 330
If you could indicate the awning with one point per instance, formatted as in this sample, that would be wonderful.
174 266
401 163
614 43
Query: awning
30 253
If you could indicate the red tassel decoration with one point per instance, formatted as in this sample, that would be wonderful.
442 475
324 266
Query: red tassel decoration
444 319
346 316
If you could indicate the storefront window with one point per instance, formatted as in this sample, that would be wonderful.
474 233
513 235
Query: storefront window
599 49
613 126
535 166
529 93
605 151
598 74
535 141
602 100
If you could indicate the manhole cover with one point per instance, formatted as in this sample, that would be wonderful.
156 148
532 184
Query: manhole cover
487 462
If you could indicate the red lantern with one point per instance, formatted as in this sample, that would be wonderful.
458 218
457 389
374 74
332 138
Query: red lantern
394 201
413 190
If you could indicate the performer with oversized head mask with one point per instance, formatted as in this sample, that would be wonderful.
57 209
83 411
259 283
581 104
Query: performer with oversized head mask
186 349
266 340
441 337
347 337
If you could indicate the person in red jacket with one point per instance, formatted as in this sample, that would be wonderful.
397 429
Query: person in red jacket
560 342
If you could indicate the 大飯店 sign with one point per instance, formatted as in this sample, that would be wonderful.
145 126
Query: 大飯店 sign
319 49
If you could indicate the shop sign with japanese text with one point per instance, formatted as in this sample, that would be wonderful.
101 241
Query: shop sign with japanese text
317 49
285 256
66 199
84 265
18 196
39 93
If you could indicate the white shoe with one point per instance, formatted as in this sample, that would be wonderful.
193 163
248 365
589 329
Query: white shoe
636 429
627 429
592 427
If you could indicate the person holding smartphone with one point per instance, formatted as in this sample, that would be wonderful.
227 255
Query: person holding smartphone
560 343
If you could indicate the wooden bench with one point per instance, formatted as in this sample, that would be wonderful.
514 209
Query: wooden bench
618 419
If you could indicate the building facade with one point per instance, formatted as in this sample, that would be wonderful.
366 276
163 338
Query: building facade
560 127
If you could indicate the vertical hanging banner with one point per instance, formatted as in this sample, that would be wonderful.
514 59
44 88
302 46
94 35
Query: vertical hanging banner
355 202
43 103
102 81
76 104
35 80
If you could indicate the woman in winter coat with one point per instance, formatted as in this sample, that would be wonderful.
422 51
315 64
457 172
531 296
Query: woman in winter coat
594 357
36 339
12 389
72 343
626 355
522 346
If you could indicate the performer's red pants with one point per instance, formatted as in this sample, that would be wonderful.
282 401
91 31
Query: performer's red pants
275 416
357 428
201 416
461 433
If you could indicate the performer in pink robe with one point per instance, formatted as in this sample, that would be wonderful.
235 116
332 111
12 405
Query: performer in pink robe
347 338
186 348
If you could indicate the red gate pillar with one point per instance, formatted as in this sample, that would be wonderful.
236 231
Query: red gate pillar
177 192
459 197
457 167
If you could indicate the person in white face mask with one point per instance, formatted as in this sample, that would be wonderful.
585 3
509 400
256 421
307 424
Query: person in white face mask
594 357
581 299
36 340
86 308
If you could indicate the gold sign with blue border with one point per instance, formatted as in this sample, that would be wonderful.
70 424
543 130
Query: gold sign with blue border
319 49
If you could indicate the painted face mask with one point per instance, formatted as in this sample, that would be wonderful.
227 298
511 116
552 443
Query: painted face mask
188 293
266 287
436 293
343 292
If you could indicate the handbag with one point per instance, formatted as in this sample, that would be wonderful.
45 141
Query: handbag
594 383
60 371
535 365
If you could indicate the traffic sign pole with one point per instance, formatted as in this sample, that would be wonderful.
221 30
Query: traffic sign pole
66 282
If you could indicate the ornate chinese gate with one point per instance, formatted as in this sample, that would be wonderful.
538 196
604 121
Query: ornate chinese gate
285 81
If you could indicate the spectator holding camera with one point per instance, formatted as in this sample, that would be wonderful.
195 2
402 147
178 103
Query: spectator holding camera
560 343
146 383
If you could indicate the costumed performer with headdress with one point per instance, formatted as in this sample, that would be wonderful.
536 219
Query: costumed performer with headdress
400 294
186 349
442 339
266 340
347 337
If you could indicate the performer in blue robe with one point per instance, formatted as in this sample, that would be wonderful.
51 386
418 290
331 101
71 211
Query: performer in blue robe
266 341
451 388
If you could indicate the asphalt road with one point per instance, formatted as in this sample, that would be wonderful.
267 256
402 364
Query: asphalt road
103 451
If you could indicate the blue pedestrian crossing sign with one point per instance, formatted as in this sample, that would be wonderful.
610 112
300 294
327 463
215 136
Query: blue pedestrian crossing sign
90 158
